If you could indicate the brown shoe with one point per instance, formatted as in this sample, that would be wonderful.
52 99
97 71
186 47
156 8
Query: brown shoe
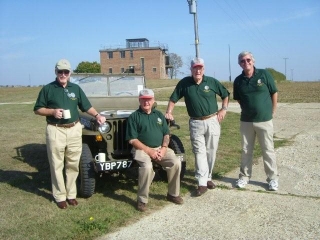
72 202
176 200
201 190
211 185
142 207
62 205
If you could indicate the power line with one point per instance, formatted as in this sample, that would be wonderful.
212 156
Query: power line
245 27
255 26
285 67
236 22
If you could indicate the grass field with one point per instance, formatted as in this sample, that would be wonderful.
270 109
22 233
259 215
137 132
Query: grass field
27 207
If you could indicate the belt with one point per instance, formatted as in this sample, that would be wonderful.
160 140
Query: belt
67 125
204 117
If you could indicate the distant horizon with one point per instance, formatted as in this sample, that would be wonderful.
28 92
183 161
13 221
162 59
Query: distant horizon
41 85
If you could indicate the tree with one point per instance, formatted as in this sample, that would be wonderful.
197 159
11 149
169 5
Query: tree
88 67
277 76
176 62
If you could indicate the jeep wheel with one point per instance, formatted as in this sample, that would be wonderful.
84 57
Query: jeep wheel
87 174
176 145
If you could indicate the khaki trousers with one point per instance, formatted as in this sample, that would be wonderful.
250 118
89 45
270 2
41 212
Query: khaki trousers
204 136
146 174
264 133
64 147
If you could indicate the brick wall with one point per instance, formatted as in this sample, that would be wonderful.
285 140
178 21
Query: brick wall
153 58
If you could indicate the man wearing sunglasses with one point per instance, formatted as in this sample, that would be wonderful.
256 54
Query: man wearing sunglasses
256 92
59 101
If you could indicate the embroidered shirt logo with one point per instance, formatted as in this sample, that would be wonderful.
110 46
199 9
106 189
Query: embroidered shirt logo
72 95
159 121
259 82
206 89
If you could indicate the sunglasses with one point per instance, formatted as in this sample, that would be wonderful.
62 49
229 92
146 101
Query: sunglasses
245 60
65 72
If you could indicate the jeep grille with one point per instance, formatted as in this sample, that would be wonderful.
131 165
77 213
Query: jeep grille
121 147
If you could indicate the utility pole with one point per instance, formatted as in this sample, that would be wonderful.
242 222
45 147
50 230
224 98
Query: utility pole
229 65
193 10
285 67
291 74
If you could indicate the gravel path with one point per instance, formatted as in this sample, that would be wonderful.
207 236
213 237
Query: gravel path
293 212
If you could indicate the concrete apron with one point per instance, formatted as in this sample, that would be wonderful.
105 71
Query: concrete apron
299 163
291 213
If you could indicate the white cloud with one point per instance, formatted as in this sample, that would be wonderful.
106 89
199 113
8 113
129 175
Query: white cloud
298 15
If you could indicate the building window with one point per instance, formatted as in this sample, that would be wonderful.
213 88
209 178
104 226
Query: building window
154 69
122 54
110 70
110 55
142 64
122 70
131 69
131 54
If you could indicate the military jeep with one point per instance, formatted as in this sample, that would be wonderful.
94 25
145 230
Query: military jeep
115 97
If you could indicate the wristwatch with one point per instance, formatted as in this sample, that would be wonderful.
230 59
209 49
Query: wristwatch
224 108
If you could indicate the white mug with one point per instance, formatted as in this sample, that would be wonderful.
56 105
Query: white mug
66 114
101 157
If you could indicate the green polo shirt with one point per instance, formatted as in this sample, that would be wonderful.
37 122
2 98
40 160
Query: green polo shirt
254 95
54 96
200 99
147 128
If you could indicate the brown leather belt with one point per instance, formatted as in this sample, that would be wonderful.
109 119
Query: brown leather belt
67 125
204 117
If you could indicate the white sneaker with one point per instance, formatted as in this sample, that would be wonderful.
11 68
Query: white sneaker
273 185
241 183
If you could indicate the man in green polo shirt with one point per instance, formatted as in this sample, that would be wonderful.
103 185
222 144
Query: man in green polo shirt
58 101
199 92
148 133
256 92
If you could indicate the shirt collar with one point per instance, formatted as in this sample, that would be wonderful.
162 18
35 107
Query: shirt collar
143 112
255 72
57 84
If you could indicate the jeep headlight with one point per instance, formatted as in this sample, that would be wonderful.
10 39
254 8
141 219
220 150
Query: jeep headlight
104 128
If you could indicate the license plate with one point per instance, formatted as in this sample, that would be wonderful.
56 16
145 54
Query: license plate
114 165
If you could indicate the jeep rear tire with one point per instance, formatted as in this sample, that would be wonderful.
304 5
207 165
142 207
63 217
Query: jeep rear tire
176 145
87 175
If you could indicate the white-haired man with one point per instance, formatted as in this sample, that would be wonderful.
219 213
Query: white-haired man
256 92
199 93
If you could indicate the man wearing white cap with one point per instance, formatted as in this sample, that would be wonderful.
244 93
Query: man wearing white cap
148 133
63 132
199 92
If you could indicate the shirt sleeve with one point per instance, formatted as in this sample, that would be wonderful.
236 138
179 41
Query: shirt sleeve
271 83
235 90
177 92
131 131
41 100
84 103
165 127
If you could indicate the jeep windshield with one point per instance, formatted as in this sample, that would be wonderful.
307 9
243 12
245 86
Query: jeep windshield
103 85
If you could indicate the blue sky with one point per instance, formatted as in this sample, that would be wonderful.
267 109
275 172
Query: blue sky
34 35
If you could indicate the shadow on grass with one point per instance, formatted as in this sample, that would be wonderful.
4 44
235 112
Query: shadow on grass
118 187
39 182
